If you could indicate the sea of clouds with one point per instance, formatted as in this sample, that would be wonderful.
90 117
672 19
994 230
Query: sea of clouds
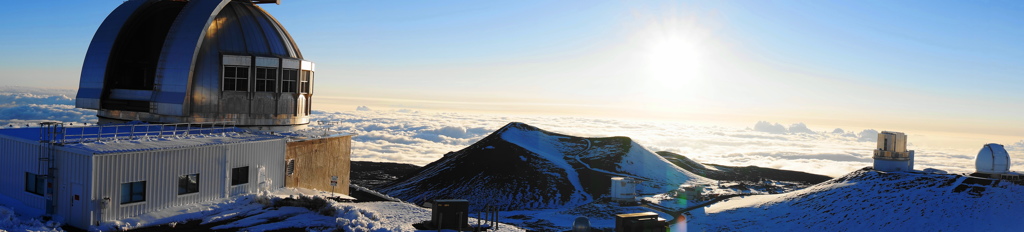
415 137
25 106
418 137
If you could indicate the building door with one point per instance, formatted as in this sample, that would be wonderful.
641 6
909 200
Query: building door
77 206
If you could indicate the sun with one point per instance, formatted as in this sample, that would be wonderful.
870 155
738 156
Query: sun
673 63
676 59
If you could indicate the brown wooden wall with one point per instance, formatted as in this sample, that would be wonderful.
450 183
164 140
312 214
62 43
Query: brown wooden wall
316 160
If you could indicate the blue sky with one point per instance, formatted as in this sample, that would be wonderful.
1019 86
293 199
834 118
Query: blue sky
940 66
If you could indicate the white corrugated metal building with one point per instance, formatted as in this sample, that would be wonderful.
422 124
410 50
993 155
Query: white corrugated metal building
114 172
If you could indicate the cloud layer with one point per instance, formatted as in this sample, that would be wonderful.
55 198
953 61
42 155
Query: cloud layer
18 109
422 137
415 137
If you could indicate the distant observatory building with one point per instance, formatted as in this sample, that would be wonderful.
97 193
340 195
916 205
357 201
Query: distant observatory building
994 162
170 61
892 154
992 159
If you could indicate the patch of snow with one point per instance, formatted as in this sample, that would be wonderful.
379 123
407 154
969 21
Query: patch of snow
644 163
169 142
549 148
16 216
265 216
10 221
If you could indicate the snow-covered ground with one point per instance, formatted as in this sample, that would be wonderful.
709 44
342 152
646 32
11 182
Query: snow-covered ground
867 200
600 214
15 216
265 212
259 213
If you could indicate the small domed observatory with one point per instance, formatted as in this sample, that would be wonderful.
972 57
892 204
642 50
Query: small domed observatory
892 154
174 61
993 160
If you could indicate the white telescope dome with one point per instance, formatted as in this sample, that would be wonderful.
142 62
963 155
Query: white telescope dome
992 159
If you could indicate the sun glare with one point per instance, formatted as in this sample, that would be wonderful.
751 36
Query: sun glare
676 51
673 63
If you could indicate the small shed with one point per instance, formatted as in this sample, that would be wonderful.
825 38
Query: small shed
88 175
623 189
640 222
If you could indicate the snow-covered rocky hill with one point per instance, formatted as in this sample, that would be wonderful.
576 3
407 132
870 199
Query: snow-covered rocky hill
868 200
522 167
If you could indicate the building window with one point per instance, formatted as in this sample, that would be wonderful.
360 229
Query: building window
35 183
188 184
290 167
288 79
133 192
265 79
236 78
304 81
240 175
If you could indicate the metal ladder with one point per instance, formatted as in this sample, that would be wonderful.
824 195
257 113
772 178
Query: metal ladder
49 134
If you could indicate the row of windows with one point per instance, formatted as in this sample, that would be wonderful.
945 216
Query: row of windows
136 191
236 78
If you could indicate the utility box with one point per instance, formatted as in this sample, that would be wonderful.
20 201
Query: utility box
640 222
450 214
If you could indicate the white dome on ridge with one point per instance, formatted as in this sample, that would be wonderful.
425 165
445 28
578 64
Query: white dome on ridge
992 159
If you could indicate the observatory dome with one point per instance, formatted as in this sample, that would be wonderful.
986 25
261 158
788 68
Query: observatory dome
172 61
992 159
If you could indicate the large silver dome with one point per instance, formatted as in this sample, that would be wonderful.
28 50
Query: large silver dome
167 61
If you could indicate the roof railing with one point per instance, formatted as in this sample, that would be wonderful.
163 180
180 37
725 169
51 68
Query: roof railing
134 131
